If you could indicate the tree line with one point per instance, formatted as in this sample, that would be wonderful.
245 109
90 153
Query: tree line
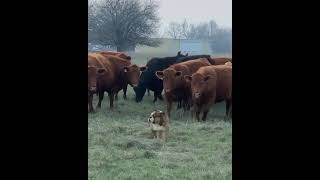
220 39
123 24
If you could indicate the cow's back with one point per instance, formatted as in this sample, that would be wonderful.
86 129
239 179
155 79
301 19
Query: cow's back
221 60
118 54
194 65
120 62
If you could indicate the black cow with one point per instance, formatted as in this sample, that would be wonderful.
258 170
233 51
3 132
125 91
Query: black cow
149 80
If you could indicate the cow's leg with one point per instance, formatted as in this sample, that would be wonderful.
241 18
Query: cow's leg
101 95
205 113
160 96
185 104
111 96
155 96
198 115
228 108
179 104
90 97
196 112
190 103
169 106
125 92
116 97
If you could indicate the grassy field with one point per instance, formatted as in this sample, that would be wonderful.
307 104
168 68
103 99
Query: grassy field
120 147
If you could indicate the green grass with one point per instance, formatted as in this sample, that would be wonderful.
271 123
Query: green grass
119 144
120 147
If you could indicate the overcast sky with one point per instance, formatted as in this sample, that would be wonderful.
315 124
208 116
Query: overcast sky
196 11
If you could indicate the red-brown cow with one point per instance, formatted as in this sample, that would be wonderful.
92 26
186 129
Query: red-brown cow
174 84
210 85
108 54
115 73
94 66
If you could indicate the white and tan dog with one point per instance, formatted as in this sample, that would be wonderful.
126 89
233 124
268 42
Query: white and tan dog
159 123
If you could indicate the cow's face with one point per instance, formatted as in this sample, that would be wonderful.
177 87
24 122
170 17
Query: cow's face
132 74
139 91
171 79
198 84
92 79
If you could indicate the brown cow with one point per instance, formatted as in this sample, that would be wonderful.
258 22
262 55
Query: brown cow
119 54
210 85
174 84
123 56
94 66
221 60
114 73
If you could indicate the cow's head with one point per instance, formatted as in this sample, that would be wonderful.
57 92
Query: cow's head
171 79
94 74
132 73
198 83
140 90
92 79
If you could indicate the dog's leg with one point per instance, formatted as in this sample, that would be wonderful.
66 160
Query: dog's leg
158 135
154 134
163 136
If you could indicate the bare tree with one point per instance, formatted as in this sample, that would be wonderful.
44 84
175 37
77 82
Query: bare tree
126 23
174 30
191 31
185 29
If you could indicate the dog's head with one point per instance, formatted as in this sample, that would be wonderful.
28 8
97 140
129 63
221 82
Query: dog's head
157 117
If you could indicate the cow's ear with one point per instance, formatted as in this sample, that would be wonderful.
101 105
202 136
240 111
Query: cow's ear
101 71
159 74
187 78
207 78
178 73
126 69
143 68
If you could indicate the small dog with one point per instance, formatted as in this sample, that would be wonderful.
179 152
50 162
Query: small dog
159 123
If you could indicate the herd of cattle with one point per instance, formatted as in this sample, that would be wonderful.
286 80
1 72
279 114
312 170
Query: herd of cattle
195 82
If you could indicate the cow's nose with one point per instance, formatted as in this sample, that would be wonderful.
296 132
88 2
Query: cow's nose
196 95
134 85
167 90
93 89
